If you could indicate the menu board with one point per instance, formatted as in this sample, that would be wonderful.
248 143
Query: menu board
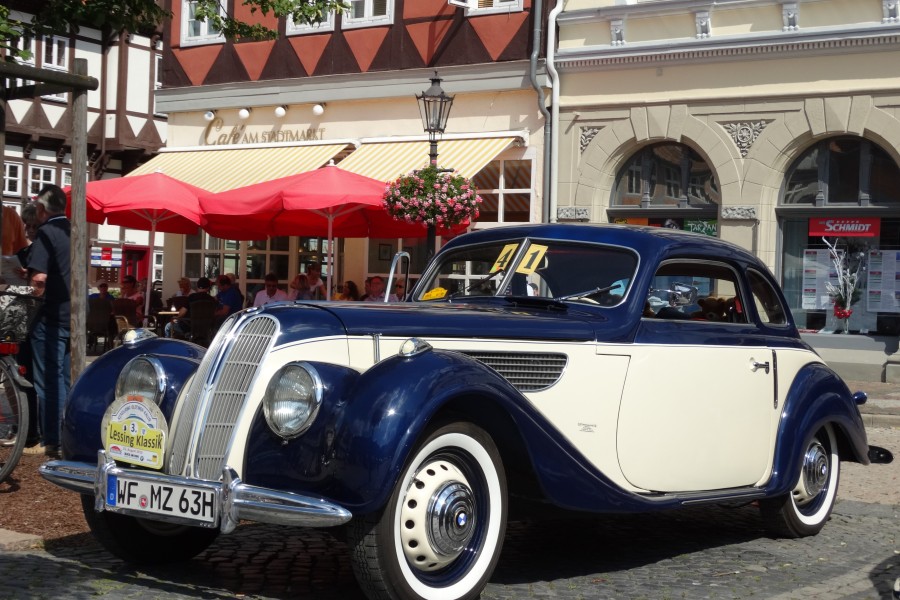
818 269
883 294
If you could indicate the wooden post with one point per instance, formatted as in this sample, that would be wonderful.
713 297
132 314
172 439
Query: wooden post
78 252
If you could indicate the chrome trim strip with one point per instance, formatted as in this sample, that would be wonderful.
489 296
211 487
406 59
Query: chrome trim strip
235 500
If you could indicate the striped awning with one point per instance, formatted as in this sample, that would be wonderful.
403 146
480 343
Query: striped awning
217 170
385 161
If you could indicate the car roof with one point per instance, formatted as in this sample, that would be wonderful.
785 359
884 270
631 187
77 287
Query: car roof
653 240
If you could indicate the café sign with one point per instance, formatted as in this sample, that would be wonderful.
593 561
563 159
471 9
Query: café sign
217 134
845 227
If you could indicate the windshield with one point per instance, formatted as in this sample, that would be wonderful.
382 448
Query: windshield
589 273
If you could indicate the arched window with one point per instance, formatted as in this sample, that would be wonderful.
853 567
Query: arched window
666 175
843 171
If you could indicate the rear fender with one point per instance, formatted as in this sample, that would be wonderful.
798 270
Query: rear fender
95 390
816 397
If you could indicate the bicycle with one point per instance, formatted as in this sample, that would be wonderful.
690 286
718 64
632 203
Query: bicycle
17 311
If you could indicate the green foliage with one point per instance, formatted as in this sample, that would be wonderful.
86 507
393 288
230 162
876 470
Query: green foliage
303 12
145 16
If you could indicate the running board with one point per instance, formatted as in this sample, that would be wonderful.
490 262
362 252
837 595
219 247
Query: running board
712 497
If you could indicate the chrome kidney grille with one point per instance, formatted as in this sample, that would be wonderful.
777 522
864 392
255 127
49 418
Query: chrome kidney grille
526 371
216 396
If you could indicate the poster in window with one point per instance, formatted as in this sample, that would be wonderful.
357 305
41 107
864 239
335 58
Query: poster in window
883 293
817 271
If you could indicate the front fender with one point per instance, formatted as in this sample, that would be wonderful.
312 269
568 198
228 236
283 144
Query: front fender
366 427
94 390
816 397
391 407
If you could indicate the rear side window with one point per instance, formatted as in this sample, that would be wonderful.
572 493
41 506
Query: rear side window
695 290
769 307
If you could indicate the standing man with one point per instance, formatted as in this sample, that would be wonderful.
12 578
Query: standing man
48 266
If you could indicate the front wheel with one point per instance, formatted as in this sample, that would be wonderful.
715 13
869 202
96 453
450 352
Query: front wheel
805 510
145 542
13 420
439 537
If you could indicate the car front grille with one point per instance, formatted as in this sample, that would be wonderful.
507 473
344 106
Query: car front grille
215 398
526 371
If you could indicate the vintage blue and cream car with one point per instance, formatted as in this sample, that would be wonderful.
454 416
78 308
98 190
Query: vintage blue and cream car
592 368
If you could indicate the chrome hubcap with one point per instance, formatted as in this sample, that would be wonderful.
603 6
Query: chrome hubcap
815 472
437 518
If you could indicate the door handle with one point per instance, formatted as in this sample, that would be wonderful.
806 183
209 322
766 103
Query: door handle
758 365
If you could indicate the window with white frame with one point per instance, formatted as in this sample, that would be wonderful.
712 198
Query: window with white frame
12 179
38 177
292 28
506 191
195 31
25 44
485 7
66 179
56 53
56 57
158 83
366 13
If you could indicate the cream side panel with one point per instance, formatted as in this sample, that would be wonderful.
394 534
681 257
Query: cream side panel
696 418
331 350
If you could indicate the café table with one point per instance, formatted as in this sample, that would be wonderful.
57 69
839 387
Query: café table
163 317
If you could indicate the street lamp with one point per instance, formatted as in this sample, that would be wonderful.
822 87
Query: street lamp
434 105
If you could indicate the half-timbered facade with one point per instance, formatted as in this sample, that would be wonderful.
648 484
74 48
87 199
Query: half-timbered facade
344 91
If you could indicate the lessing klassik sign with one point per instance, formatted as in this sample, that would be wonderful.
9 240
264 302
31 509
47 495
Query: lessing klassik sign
217 134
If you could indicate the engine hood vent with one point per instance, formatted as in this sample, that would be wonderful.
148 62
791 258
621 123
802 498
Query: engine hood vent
526 371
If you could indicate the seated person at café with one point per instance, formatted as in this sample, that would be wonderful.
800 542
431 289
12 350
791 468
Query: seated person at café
180 326
230 299
130 291
102 292
271 292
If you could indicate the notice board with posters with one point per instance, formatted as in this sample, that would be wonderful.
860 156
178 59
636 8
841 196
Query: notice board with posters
883 293
817 271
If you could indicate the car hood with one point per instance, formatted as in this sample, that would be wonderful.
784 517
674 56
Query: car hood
499 320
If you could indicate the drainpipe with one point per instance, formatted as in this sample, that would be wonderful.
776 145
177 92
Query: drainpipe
537 9
554 106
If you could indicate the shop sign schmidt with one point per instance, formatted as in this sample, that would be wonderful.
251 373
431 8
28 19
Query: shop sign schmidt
845 227
217 134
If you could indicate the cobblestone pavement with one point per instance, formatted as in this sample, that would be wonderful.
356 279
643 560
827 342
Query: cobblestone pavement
696 553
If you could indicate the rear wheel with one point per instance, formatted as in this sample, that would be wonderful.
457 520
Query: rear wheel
805 510
141 541
13 421
439 537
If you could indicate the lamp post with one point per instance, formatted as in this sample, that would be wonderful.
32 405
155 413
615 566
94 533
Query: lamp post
434 106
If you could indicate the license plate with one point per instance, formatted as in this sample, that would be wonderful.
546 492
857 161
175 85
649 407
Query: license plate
185 502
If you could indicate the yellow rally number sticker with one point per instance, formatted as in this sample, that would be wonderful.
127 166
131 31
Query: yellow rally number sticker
135 432
532 260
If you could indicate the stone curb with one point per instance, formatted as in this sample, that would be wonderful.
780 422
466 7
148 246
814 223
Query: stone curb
882 421
12 540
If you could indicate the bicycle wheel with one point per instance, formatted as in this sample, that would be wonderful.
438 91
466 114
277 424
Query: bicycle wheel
13 421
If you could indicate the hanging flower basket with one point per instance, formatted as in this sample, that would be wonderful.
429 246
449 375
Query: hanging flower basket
432 197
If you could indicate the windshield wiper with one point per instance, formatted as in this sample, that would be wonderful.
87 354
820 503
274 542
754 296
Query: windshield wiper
599 290
478 283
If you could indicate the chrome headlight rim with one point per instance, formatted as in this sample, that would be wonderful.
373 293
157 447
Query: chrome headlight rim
315 402
162 381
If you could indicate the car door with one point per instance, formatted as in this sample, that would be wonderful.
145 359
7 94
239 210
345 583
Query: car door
697 403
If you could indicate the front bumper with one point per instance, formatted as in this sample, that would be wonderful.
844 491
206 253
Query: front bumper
235 501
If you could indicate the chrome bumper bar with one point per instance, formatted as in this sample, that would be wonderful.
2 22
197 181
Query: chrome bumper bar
235 501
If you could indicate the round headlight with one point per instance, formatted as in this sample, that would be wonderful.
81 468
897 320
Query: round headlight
292 399
143 376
